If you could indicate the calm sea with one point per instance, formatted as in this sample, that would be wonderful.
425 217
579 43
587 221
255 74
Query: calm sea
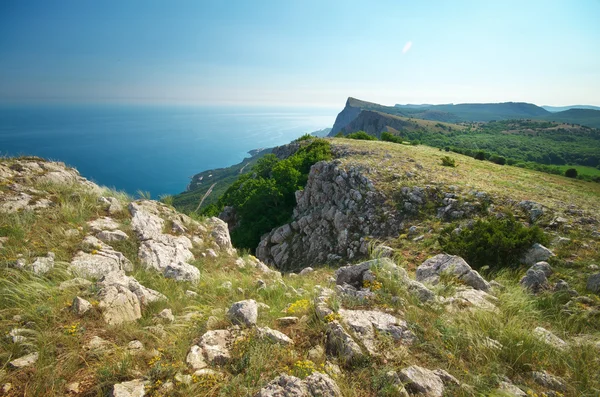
149 148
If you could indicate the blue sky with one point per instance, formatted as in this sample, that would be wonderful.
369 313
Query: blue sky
304 52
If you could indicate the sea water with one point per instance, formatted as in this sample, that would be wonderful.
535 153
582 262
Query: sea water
153 149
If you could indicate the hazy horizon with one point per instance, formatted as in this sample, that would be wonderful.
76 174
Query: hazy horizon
270 53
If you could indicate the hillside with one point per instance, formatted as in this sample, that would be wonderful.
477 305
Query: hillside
563 108
104 295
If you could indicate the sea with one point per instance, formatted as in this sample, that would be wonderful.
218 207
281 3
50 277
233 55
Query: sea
150 149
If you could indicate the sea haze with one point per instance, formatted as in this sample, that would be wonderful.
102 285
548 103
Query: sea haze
150 148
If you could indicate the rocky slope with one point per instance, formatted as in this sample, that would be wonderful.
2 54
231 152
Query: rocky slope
101 294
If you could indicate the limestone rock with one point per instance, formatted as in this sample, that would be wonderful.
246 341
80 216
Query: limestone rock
77 282
144 295
472 298
356 275
102 224
285 321
275 336
306 271
43 265
244 313
119 305
430 271
97 344
548 337
112 235
341 344
72 388
167 315
422 381
214 345
510 389
135 347
112 205
220 233
315 385
537 253
550 381
80 306
134 388
99 262
365 323
25 361
195 358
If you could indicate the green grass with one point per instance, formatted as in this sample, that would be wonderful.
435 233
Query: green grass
581 170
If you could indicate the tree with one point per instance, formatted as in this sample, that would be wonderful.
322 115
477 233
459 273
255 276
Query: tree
480 155
571 173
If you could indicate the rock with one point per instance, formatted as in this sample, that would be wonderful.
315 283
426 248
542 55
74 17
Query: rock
112 205
315 385
43 265
285 321
413 230
211 253
537 253
112 235
135 347
100 224
100 261
422 381
510 389
383 251
119 305
549 381
366 323
77 282
306 271
227 285
167 315
25 361
214 345
195 358
220 233
20 335
533 209
118 278
392 379
244 313
80 306
316 354
6 388
208 372
341 344
191 294
97 344
72 388
183 379
535 279
472 298
549 338
446 378
182 272
275 336
430 271
134 388
354 275
593 283
321 303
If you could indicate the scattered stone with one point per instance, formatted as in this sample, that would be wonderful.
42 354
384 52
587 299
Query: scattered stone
80 306
211 253
430 271
195 358
226 285
261 284
109 236
306 271
341 344
214 345
113 206
19 335
316 353
422 381
537 253
244 313
77 282
263 306
510 389
393 379
208 372
315 385
593 283
6 388
135 347
549 338
275 336
144 294
593 267
72 388
97 344
43 265
134 388
183 379
419 238
25 361
119 305
550 381
191 294
166 314
285 321
446 378
535 279
383 251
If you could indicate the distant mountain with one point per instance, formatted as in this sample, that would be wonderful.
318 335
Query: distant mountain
321 133
555 109
465 112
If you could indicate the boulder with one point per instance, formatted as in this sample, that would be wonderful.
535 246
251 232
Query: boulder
315 385
422 381
214 345
549 338
340 344
43 265
275 336
101 224
285 321
356 275
100 261
471 298
119 278
306 271
536 277
80 306
244 313
366 324
537 253
112 205
549 381
220 233
429 271
119 305
133 388
195 358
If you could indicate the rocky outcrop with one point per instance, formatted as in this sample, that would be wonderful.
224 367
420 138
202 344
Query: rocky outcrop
347 115
315 385
99 261
429 272
422 381
335 211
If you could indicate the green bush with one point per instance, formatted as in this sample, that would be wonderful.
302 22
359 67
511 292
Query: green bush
361 135
304 137
480 155
497 243
448 161
498 159
571 173
265 197
388 137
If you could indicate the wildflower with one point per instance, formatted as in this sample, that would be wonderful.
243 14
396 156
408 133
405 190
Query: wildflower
299 306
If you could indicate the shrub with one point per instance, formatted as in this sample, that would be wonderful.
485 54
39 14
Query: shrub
305 137
571 173
448 161
388 137
498 159
480 155
361 135
497 243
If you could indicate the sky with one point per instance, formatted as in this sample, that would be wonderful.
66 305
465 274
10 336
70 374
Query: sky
299 52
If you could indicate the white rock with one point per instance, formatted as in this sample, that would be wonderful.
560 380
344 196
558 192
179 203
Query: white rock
134 388
119 305
195 358
112 235
430 271
166 314
244 313
80 306
306 271
422 381
25 361
537 253
104 223
214 345
548 337
275 336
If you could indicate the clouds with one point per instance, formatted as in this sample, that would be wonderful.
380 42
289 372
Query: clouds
406 47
